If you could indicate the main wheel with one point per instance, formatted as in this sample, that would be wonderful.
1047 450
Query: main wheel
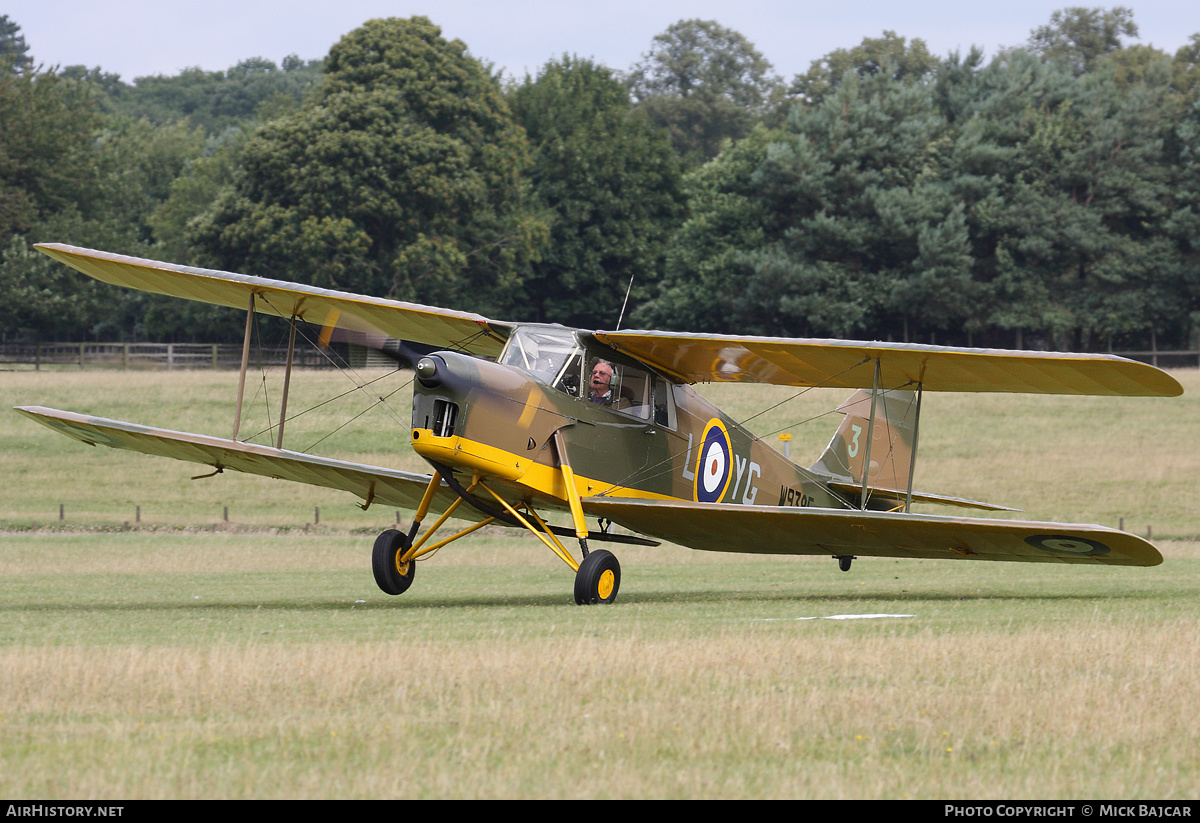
598 578
391 575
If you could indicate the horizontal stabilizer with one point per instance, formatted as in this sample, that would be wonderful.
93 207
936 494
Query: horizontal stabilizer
373 484
853 490
789 530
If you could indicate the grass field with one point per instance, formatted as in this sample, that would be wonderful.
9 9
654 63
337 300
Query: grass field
184 656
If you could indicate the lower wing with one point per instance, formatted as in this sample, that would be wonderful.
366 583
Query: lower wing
787 530
374 484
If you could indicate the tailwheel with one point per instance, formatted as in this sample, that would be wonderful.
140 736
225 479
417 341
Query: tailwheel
598 578
391 575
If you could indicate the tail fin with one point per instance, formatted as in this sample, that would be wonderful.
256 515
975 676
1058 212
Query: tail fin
891 449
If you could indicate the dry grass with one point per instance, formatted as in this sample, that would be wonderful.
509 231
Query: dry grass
1089 710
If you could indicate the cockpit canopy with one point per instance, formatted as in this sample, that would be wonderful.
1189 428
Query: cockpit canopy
551 355
555 357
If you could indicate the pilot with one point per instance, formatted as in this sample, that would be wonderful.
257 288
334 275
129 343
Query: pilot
600 385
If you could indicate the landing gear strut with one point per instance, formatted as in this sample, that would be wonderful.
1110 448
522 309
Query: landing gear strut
394 558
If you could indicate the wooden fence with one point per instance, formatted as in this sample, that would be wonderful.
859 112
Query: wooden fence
181 356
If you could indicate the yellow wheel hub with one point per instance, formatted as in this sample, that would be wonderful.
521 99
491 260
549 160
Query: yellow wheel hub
402 568
605 586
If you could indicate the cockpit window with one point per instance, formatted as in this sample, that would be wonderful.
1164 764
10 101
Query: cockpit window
555 358
627 389
550 355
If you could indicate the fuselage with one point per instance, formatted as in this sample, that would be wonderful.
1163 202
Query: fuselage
644 436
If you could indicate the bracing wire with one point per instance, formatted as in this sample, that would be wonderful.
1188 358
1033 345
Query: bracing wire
359 383
664 466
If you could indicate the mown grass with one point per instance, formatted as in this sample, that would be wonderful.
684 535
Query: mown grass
188 658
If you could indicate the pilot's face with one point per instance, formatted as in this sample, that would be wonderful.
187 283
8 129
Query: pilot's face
601 378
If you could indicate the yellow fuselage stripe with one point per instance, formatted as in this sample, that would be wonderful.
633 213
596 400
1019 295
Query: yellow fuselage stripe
490 461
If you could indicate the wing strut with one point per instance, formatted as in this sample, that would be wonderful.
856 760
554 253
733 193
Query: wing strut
870 438
912 460
237 413
287 380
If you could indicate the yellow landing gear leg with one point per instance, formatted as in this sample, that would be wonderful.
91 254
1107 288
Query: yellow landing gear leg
596 578
394 557
599 575
572 493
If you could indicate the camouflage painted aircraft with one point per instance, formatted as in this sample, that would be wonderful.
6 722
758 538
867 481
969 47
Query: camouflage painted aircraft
521 420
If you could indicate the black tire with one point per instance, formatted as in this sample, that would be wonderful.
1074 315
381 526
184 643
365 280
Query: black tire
598 578
391 576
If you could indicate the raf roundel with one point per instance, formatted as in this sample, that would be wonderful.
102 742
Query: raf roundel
1065 544
713 466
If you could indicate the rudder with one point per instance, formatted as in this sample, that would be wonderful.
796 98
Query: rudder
892 447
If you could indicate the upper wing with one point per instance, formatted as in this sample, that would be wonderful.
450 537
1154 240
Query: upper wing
696 358
789 530
692 358
373 484
463 331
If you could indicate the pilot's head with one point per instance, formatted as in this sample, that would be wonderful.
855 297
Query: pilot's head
602 374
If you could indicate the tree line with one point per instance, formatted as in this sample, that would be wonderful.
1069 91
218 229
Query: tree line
1047 196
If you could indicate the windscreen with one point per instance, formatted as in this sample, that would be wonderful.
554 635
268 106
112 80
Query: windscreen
550 355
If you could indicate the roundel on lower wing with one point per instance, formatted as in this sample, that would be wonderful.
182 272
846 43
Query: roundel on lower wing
1066 545
714 465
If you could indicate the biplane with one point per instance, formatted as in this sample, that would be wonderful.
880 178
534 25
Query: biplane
527 424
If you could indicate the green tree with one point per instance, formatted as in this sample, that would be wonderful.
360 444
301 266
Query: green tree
193 192
137 163
46 126
706 84
401 176
841 225
707 263
1185 68
1081 36
1182 225
873 237
1066 181
253 89
46 300
1134 65
890 53
611 183
14 52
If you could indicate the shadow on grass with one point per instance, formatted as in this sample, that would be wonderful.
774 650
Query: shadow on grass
724 597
